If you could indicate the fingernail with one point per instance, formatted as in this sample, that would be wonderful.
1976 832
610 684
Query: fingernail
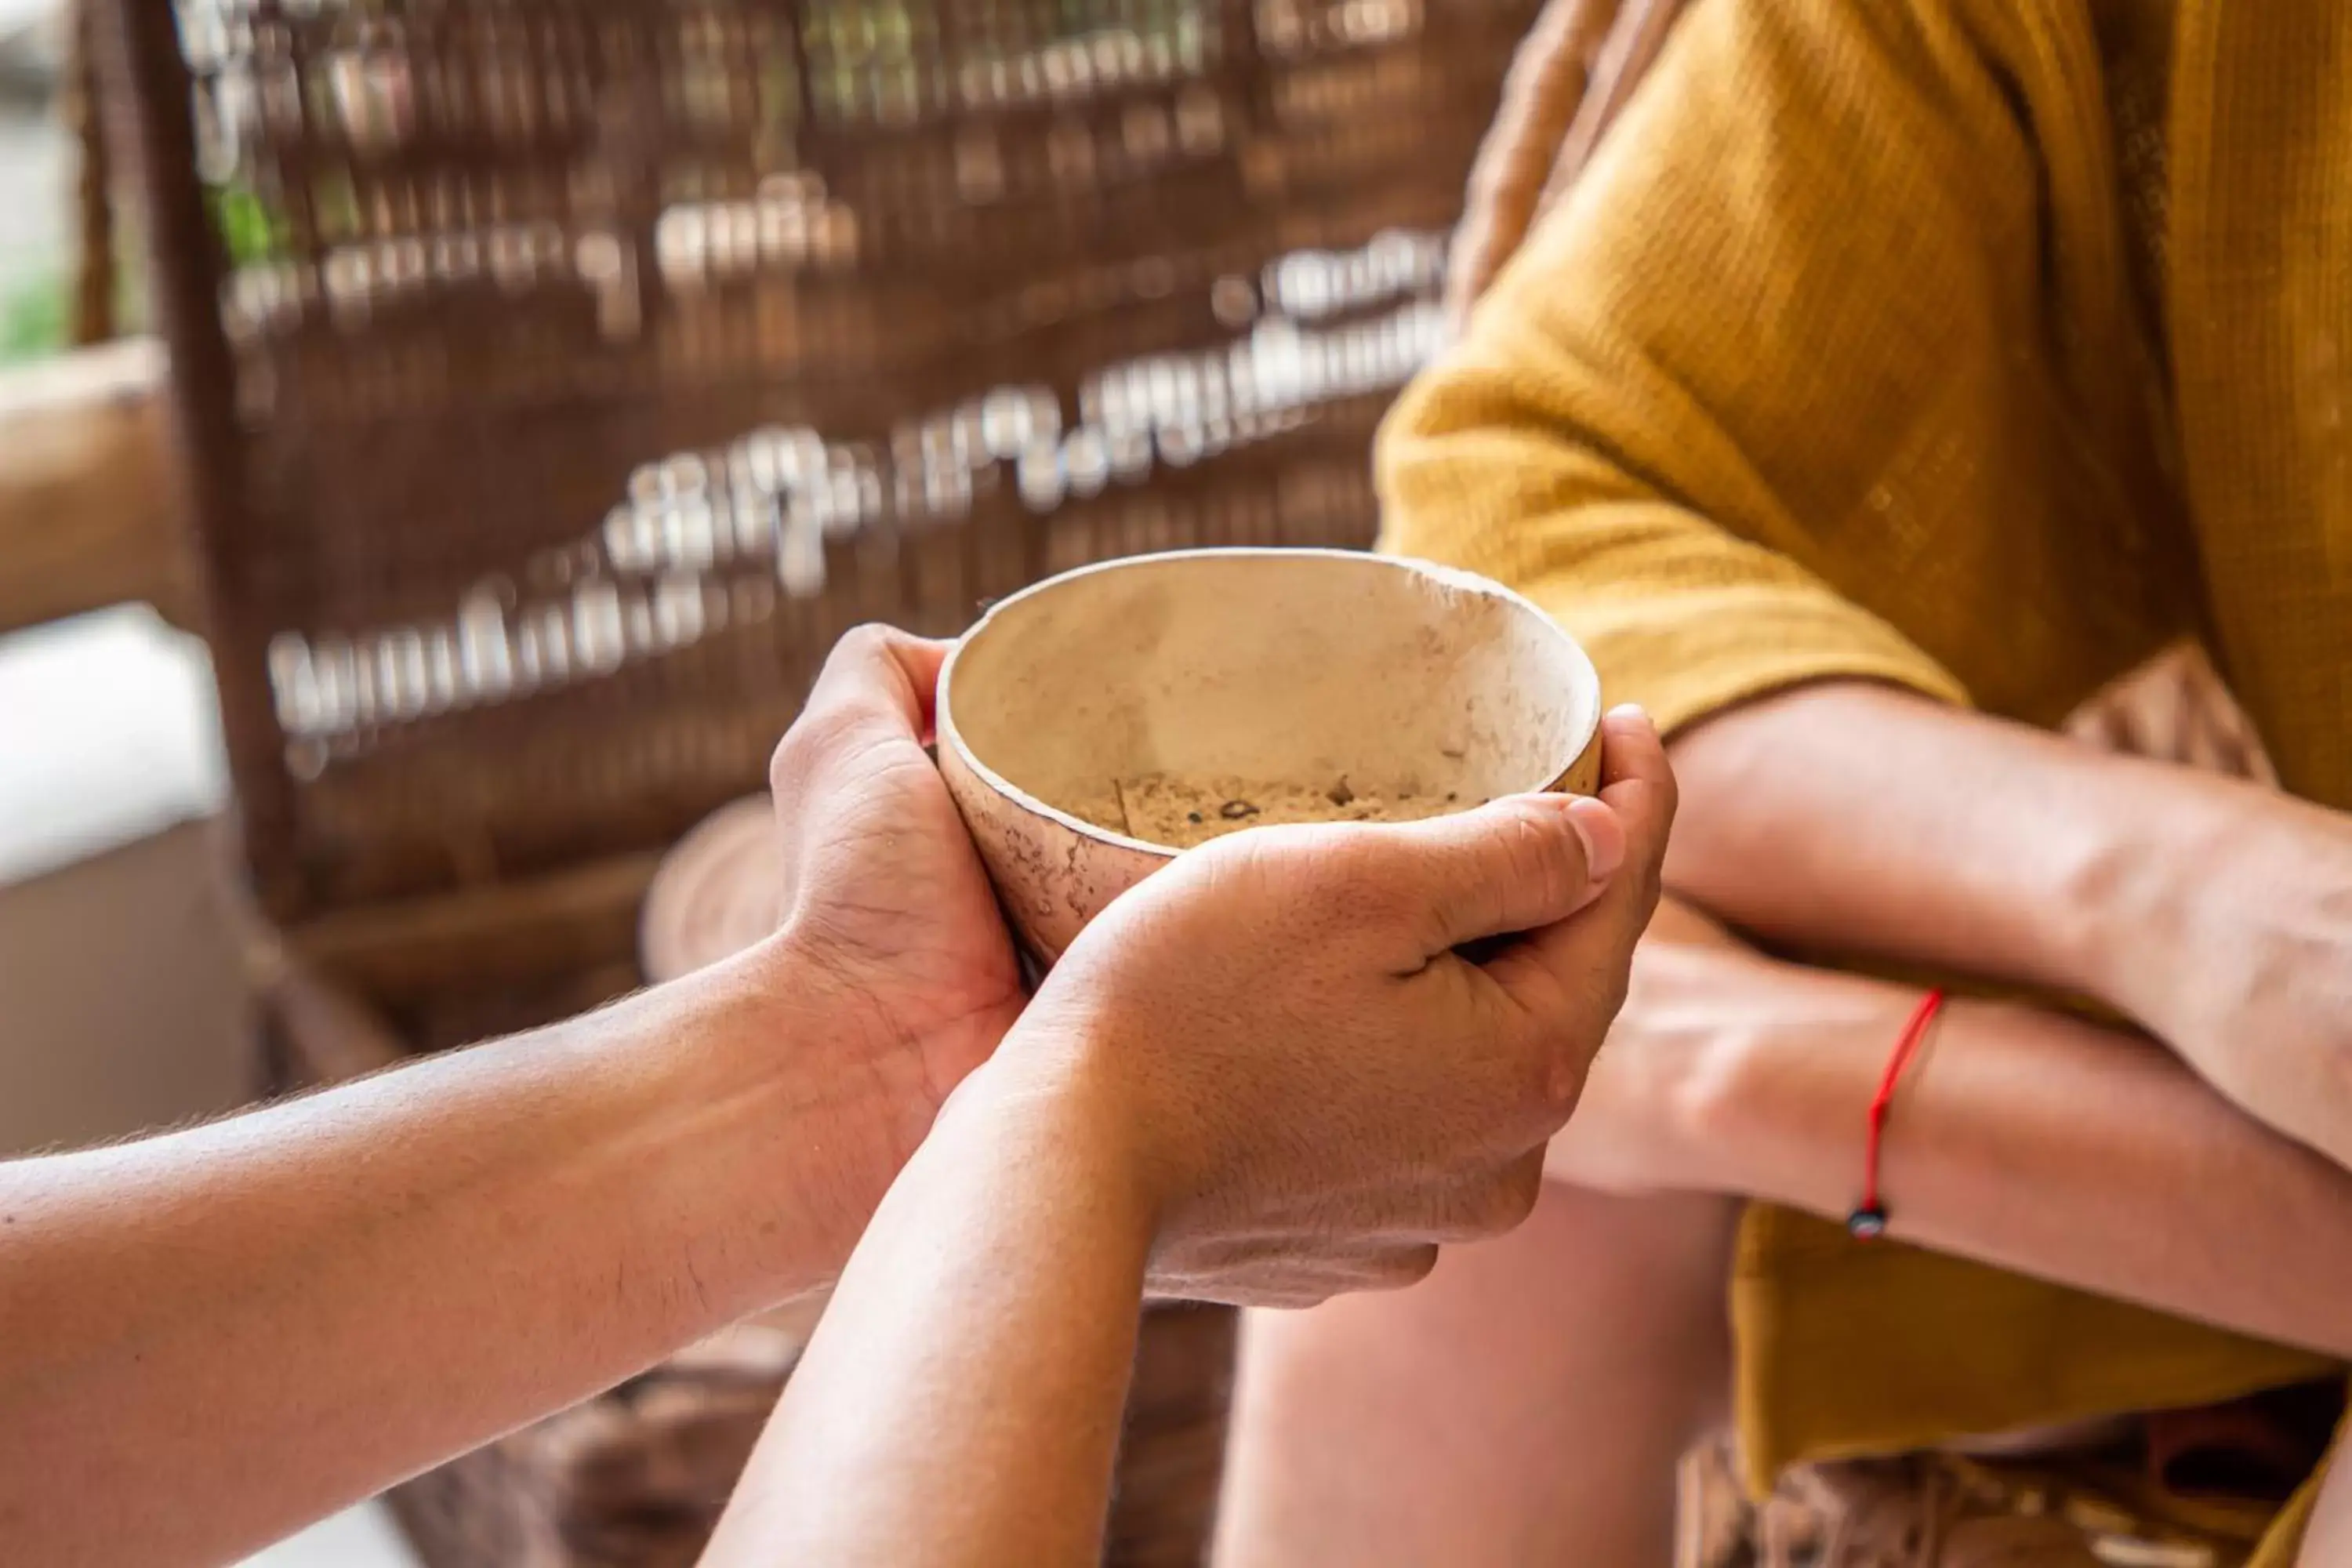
1602 836
1632 712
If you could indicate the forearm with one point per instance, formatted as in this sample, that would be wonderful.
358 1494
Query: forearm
227 1332
1852 819
2043 1144
960 1403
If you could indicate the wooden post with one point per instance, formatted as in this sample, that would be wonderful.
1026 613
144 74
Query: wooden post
93 210
93 509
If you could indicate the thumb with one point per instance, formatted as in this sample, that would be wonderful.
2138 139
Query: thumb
1578 970
1516 864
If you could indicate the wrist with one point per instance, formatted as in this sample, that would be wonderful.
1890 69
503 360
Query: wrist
1780 1113
793 986
1050 1093
801 1111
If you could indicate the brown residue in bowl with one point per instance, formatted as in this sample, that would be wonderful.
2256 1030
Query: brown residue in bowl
1183 811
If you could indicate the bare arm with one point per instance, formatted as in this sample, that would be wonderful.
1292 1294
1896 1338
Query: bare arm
1754 475
229 1331
960 1403
1850 818
2073 1153
2039 1142
1854 818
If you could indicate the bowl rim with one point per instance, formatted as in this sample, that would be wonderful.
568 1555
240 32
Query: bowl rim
943 709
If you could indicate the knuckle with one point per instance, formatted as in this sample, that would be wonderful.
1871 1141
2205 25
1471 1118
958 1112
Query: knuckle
820 735
1540 851
790 759
1564 1084
859 664
1352 870
1237 868
864 642
1559 856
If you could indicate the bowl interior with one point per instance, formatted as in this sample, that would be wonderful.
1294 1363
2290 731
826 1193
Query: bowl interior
1285 668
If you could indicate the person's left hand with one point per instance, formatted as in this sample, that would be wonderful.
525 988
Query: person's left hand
1283 1046
884 898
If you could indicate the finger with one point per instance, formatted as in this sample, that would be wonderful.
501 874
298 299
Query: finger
1571 977
878 682
1516 864
1638 782
881 671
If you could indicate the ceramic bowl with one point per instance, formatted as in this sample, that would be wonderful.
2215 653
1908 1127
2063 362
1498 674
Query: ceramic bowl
1306 665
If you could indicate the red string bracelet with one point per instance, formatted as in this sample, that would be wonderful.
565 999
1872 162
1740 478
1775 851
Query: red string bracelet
1868 1220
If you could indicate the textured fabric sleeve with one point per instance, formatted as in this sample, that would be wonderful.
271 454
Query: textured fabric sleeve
1755 405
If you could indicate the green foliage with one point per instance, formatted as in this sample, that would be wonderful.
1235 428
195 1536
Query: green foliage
248 228
36 311
33 312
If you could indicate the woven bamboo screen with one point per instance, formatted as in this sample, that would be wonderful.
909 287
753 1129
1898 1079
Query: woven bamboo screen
560 376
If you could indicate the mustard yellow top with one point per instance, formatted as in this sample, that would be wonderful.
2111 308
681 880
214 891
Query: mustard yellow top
1869 346
1983 346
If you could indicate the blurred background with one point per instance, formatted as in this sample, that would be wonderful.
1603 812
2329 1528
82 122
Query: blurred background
124 1009
36 162
109 745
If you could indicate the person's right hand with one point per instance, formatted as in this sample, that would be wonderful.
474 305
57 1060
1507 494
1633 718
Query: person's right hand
1314 1086
889 947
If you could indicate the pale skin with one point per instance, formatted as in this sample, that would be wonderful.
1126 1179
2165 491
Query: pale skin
229 1331
1851 818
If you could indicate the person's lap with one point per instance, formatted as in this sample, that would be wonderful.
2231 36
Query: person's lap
1530 1401
1526 1403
